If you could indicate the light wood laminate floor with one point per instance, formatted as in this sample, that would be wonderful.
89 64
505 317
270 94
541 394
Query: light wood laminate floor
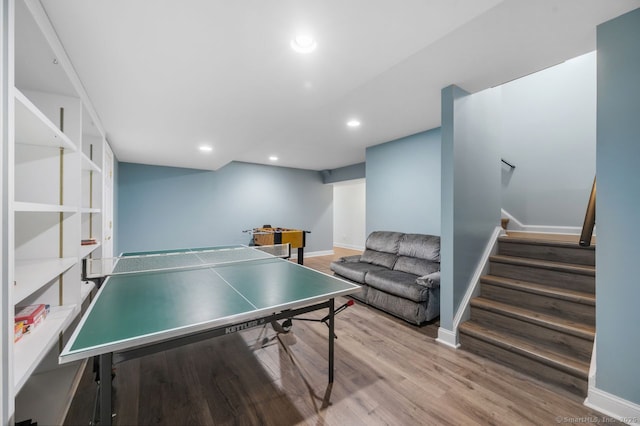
388 372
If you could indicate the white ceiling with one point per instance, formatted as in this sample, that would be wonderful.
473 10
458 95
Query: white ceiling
166 76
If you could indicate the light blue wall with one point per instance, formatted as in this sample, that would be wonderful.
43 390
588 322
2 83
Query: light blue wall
470 189
549 133
403 184
618 207
168 207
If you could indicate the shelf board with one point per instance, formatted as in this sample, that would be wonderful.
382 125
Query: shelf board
21 206
87 164
46 395
32 274
32 347
89 210
35 128
86 250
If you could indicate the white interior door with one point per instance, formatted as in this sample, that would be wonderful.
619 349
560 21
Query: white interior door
349 214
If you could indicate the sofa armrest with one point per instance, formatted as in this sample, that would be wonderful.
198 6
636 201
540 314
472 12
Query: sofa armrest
349 259
431 280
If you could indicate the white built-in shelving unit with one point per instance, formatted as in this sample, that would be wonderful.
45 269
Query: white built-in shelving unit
54 196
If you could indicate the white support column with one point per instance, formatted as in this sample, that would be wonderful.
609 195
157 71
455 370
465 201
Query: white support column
6 219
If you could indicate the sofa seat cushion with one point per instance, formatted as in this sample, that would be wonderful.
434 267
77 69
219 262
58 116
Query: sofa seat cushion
398 283
354 271
415 266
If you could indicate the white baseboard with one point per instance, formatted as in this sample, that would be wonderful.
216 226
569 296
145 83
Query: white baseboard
516 225
481 269
613 406
349 246
544 229
448 337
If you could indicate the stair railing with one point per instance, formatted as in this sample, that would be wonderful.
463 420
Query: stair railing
589 218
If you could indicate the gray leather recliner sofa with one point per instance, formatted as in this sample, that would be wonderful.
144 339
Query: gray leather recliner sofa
399 273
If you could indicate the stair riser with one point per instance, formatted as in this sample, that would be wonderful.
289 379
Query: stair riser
560 279
538 370
577 255
566 344
573 311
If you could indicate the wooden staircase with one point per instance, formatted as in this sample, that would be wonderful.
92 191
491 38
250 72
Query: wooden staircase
536 310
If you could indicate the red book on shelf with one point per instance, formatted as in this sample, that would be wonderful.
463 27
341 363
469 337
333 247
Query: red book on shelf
30 316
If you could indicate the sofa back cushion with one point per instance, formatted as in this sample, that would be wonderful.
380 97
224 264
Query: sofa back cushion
378 258
421 246
382 248
384 241
418 254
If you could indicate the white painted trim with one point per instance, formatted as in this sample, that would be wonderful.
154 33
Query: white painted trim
348 246
450 337
516 225
512 220
593 366
570 230
606 403
481 270
612 405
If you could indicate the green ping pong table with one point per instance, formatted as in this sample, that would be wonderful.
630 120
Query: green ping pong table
154 301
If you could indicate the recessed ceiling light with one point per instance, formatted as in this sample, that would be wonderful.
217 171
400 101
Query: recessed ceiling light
304 43
205 148
273 158
353 123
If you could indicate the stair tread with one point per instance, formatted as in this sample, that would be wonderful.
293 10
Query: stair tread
545 242
546 264
505 341
584 331
541 289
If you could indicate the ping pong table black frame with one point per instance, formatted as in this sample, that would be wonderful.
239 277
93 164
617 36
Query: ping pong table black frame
107 361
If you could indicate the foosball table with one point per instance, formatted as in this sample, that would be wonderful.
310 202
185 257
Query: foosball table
268 235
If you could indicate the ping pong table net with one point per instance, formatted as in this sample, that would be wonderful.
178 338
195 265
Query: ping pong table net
181 259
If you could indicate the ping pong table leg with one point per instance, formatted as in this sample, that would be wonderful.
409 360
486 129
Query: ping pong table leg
331 337
105 388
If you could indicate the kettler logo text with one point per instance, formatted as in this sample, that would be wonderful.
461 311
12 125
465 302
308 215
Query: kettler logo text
239 327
